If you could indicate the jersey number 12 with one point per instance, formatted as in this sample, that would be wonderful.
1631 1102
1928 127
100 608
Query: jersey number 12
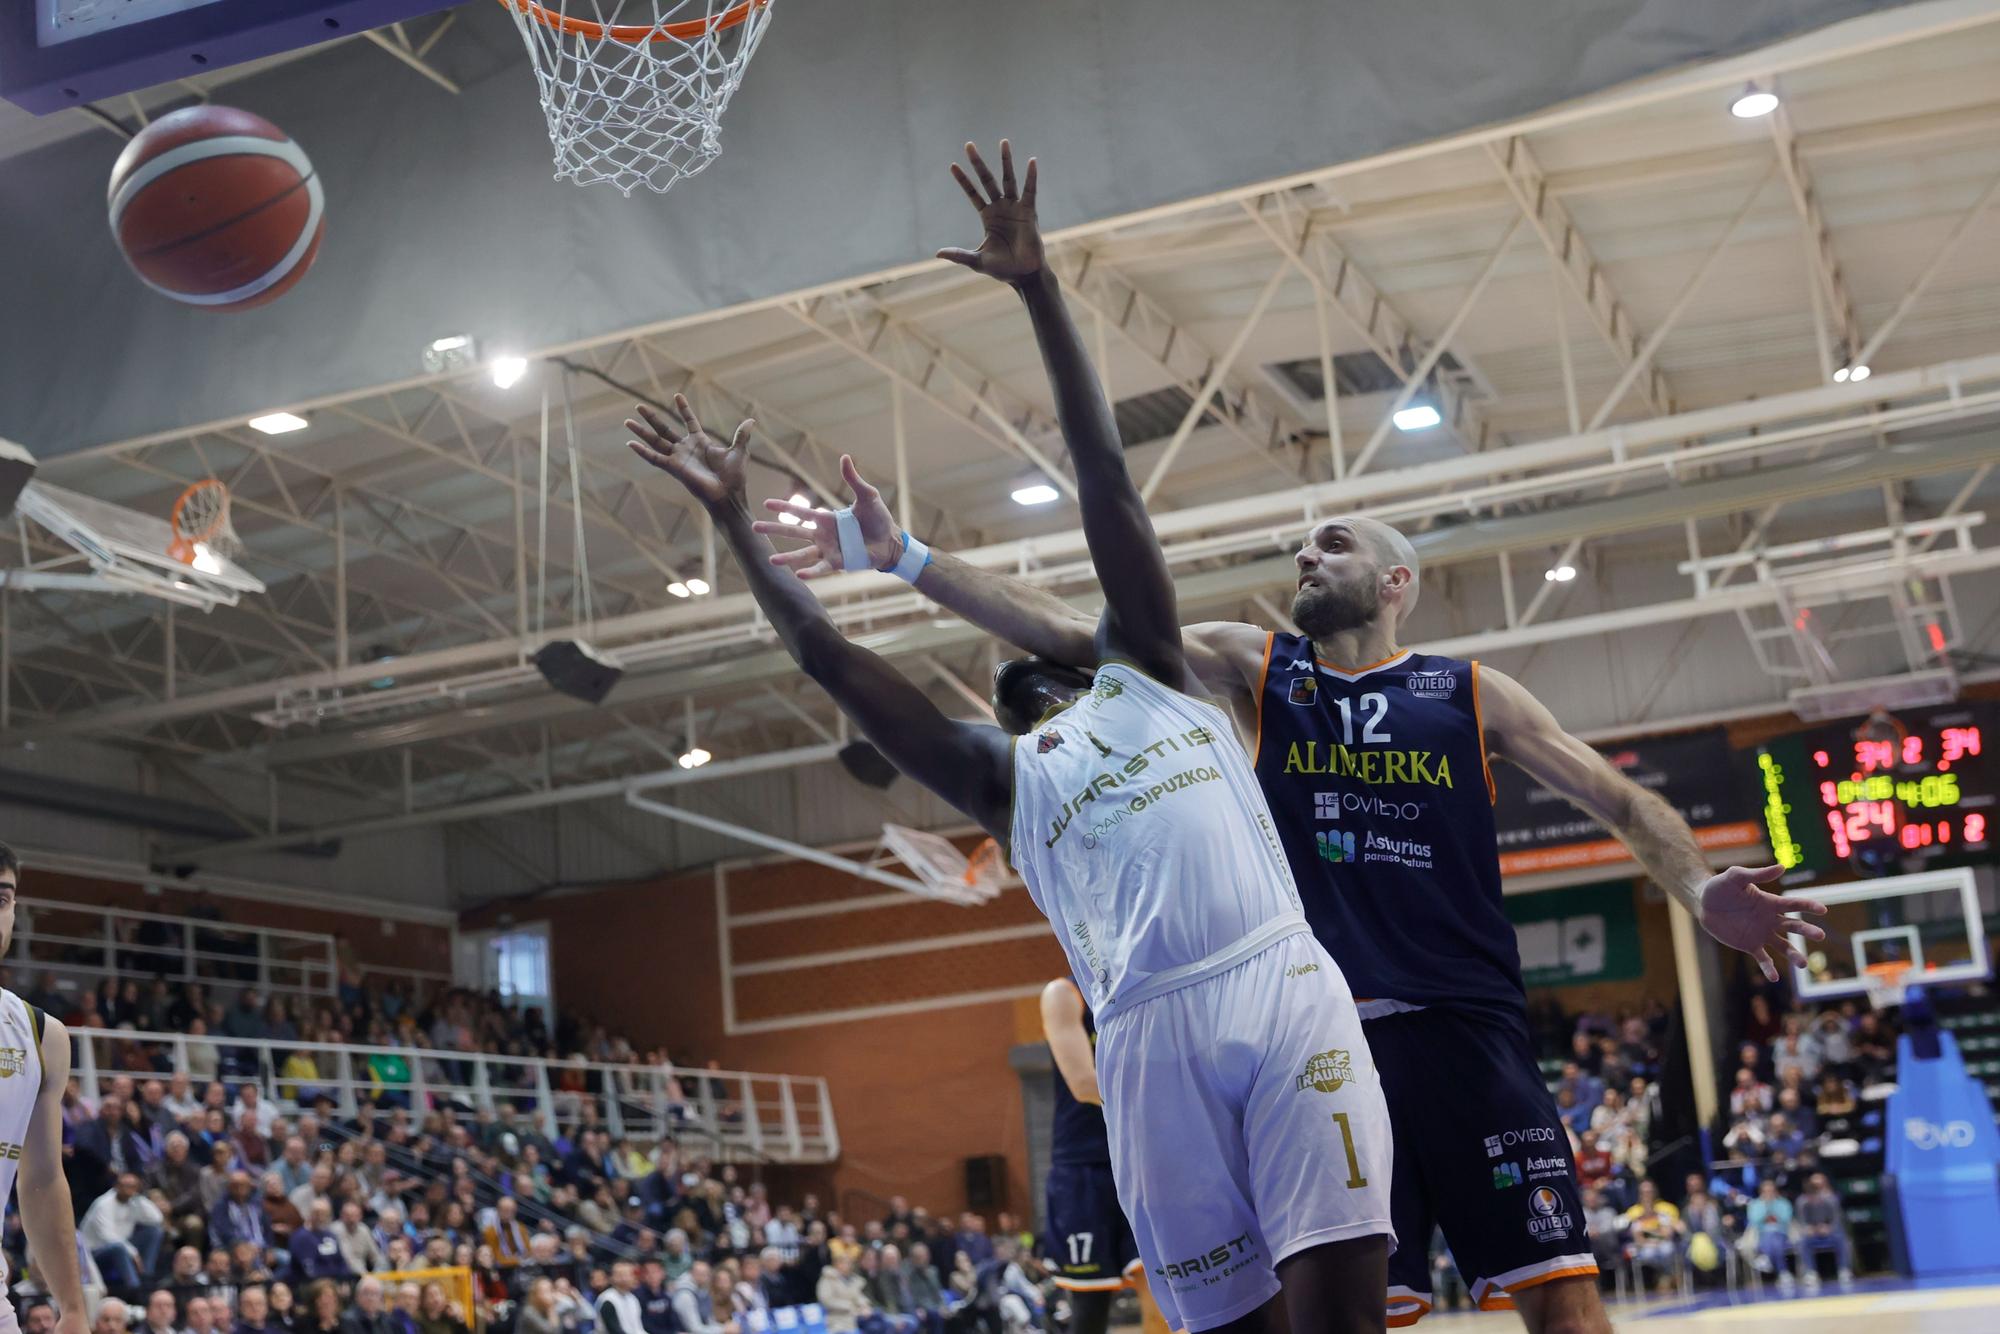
1376 705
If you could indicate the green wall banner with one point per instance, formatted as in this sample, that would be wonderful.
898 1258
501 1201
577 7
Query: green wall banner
1587 933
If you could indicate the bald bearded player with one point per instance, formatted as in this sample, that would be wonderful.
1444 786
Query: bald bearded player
1374 761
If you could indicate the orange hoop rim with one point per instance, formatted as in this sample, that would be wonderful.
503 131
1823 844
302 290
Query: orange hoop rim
984 860
632 34
182 532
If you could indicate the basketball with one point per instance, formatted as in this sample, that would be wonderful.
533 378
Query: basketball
217 208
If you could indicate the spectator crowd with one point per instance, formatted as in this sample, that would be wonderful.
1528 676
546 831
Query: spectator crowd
207 1208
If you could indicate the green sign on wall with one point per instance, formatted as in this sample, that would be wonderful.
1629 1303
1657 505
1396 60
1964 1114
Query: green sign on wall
1587 933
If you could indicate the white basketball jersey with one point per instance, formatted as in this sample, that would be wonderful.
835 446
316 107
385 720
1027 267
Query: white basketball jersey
1141 832
20 1085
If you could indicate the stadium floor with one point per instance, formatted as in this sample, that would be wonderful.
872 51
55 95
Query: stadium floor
1869 1306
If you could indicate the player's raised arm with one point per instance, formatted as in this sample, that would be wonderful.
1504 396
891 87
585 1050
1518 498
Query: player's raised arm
966 764
1227 657
1728 903
1140 621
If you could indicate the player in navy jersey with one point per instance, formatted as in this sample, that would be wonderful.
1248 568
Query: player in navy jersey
1375 762
1090 1247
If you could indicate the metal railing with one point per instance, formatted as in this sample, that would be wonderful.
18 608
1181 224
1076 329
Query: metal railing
84 943
753 1117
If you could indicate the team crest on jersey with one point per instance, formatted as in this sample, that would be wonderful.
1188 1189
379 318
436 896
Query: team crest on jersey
1048 741
13 1061
1305 689
1327 1072
1432 685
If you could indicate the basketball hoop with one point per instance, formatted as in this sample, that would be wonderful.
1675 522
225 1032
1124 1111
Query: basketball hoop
201 524
1887 983
946 872
634 90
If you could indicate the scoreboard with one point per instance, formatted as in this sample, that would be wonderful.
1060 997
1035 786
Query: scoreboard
1883 795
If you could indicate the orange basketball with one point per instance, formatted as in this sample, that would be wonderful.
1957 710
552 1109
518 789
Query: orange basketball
217 208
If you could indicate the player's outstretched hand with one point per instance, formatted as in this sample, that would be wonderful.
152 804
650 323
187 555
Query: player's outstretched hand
1012 248
1746 918
710 470
817 526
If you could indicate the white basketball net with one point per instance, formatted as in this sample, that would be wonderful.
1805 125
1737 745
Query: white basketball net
201 519
634 90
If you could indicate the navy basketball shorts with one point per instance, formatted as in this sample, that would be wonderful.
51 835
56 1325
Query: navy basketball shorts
1480 1152
1089 1245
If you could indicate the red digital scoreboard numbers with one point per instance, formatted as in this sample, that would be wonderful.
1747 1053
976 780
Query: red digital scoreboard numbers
1893 794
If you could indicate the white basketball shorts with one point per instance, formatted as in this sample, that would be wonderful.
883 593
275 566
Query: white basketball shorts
1247 1124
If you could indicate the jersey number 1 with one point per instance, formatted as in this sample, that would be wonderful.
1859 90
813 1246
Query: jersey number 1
1355 1181
1378 705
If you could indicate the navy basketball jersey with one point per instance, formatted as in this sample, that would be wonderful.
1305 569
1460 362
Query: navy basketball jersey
1078 1134
1379 784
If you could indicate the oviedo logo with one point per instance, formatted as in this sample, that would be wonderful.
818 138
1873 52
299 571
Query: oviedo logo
1499 1144
1547 1219
1305 690
1326 1072
1432 685
1930 1135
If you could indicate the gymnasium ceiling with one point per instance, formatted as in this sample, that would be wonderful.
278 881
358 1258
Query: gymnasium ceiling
1585 295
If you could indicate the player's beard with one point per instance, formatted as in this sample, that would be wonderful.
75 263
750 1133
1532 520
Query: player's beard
1320 610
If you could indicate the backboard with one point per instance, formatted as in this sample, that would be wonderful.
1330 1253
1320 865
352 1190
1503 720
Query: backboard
127 552
64 53
1882 935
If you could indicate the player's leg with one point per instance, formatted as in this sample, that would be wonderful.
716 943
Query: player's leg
1563 1306
1318 1135
1337 1287
1497 1165
1410 1295
1177 1150
1089 1312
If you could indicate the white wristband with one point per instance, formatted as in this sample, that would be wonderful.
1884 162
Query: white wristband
915 556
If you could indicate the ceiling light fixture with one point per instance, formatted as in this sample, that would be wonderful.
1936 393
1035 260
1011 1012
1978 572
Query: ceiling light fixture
1560 574
1035 493
1753 102
1417 417
278 423
698 587
678 589
507 371
695 758
799 498
1857 374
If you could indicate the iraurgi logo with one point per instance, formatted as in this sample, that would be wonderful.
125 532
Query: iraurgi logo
1432 685
1930 1135
1548 1220
1499 1144
1329 805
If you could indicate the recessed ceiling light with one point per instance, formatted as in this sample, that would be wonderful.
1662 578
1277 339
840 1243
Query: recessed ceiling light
1752 103
1037 493
278 423
507 371
1417 417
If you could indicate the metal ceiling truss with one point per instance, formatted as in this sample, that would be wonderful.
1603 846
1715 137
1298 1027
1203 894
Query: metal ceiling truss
414 529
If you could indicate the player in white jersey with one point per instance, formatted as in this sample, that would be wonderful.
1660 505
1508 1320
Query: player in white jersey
1249 1140
34 1069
